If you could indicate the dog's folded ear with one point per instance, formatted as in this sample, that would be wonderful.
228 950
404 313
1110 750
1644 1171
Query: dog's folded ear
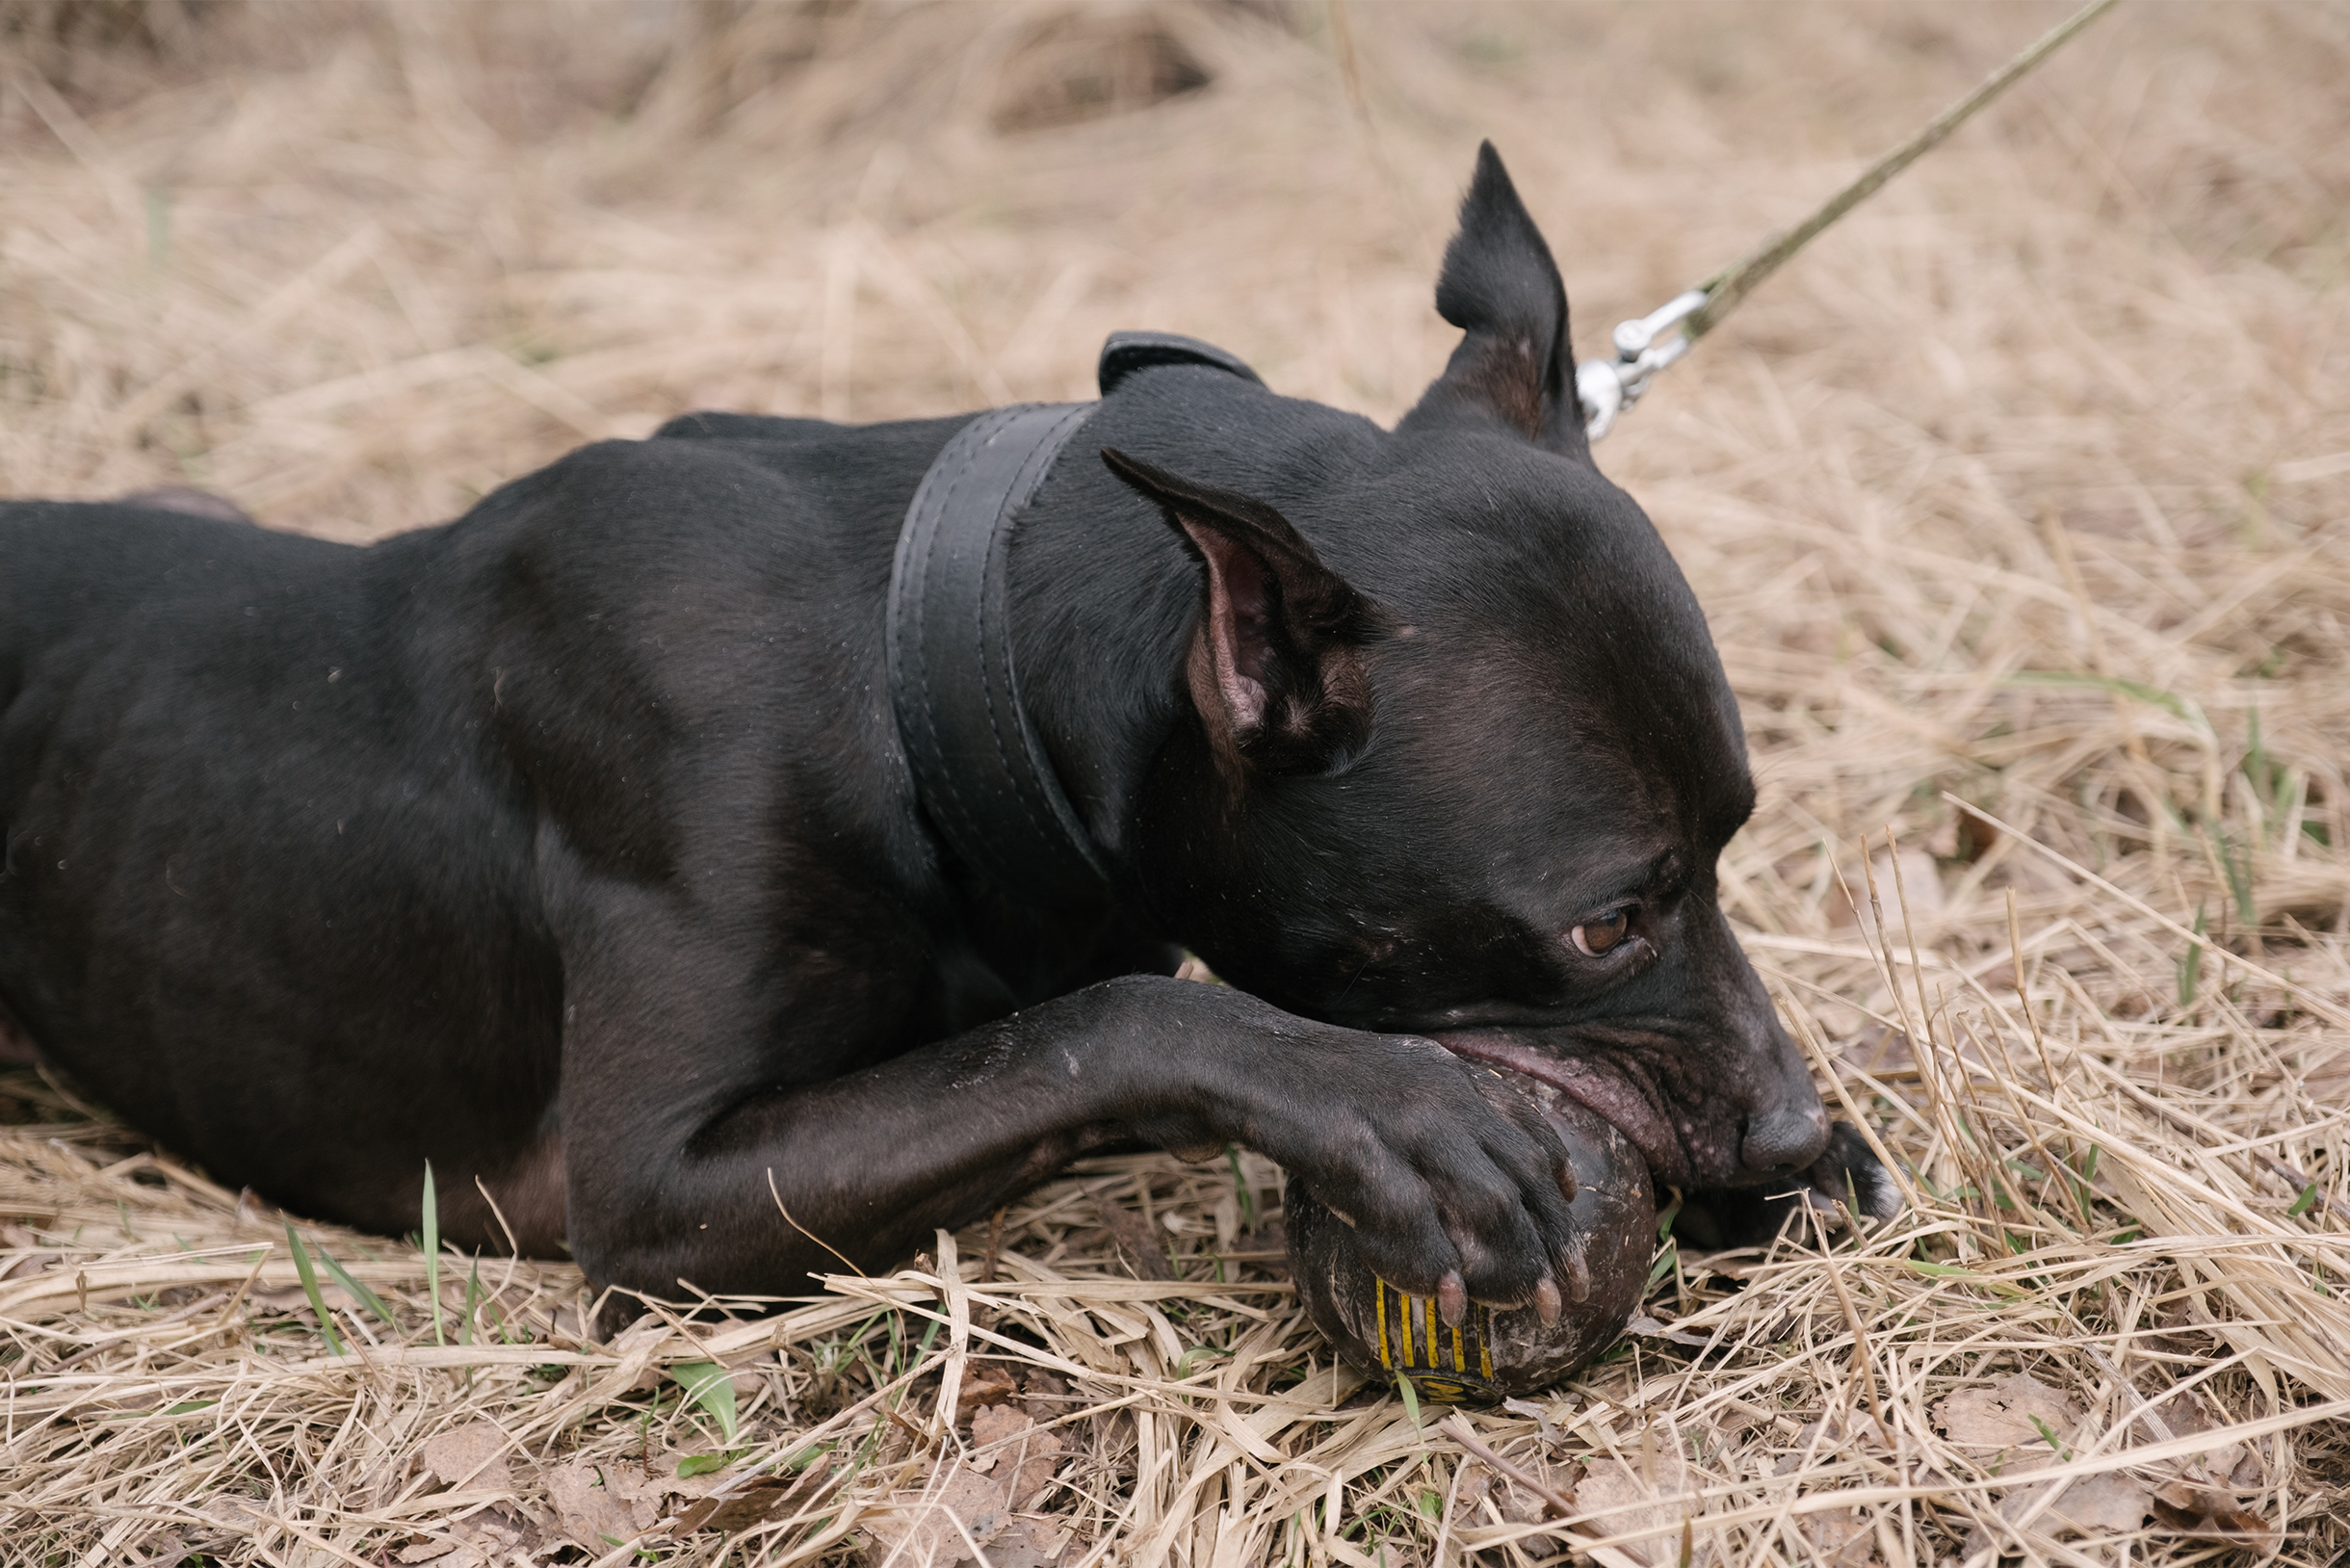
1501 288
1275 668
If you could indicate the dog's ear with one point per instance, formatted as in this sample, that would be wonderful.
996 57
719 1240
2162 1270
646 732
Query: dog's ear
1275 667
1501 288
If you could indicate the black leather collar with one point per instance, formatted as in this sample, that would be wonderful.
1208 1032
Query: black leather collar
980 769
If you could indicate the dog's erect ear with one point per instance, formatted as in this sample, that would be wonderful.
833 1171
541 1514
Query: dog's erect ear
1501 288
1275 667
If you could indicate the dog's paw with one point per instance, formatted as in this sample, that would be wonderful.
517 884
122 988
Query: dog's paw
1457 1186
1848 1174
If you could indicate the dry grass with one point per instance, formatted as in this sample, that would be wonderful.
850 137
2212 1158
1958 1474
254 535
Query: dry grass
2028 488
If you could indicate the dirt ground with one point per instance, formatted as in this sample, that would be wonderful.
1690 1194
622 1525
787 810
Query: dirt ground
2020 507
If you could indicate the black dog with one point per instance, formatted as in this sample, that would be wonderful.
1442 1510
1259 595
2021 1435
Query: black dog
623 848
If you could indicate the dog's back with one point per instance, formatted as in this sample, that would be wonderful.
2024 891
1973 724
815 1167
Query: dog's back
278 813
209 749
69 569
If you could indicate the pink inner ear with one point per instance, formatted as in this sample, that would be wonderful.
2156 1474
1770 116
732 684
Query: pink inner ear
1245 580
1239 622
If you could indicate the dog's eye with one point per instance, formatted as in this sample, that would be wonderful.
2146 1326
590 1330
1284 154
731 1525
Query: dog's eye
1594 938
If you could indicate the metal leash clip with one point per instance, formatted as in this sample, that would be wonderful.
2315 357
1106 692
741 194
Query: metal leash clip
1453 1365
1606 387
1610 386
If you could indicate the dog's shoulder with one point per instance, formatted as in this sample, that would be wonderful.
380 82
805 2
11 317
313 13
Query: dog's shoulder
130 544
716 425
74 565
787 443
711 490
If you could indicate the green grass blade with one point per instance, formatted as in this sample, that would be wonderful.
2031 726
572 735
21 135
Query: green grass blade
712 1387
432 1253
2052 1440
2239 877
473 1300
1668 1258
359 1291
1197 1353
2191 967
2168 701
1411 1403
1666 1215
309 1288
1944 1270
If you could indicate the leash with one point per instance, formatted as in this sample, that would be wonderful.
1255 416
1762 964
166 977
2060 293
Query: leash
981 771
1647 344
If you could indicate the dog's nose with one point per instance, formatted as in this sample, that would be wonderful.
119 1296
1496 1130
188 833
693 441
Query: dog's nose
1777 1139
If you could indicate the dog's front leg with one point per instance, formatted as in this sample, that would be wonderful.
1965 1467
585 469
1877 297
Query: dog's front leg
679 1167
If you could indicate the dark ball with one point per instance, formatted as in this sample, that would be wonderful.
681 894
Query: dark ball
1496 1352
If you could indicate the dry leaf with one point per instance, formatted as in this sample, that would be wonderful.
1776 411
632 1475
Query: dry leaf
1030 1455
1516 1505
2000 1418
2210 1516
1048 1396
599 1506
1841 1537
985 1382
1475 1486
974 1505
755 1502
2108 1505
1609 1488
939 1526
1819 1441
2096 1504
1027 1543
482 1540
2248 1474
2230 1467
1144 1247
1522 1504
2184 1415
470 1458
448 1554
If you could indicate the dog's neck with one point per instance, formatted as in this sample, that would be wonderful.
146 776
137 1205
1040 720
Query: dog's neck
979 767
1027 715
1104 602
1106 597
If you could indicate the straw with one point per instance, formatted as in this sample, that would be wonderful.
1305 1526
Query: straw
355 267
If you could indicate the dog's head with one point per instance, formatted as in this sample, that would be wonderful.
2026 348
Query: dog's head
1465 769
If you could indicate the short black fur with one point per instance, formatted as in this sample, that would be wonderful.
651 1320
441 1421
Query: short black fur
570 847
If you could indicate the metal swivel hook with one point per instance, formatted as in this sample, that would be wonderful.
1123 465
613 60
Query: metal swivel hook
1606 387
